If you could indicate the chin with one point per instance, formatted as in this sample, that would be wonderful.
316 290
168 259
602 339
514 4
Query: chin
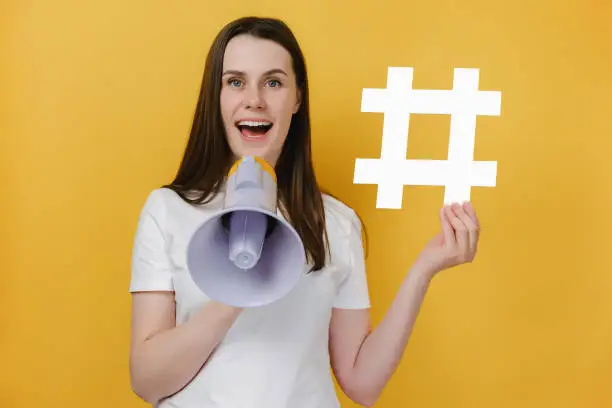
263 148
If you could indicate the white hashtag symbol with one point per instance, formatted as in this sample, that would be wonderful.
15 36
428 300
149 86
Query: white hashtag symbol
459 172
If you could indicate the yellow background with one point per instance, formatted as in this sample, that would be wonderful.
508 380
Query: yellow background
96 101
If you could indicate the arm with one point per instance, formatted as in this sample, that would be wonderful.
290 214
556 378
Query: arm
363 360
165 357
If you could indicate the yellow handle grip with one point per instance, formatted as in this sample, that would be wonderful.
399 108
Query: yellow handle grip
264 165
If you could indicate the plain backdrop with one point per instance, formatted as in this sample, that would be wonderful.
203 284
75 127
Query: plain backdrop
96 102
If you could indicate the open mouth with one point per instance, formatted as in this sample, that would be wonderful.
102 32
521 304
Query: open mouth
254 130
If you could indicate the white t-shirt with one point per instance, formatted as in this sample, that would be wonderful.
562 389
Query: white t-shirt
274 356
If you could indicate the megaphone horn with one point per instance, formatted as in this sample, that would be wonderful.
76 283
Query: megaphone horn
246 255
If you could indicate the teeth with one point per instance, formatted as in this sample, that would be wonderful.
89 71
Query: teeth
253 123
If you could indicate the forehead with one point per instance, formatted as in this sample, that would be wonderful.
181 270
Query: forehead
255 55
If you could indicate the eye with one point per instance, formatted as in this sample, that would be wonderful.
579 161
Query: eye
234 82
274 83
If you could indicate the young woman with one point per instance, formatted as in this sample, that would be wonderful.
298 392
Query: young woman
188 351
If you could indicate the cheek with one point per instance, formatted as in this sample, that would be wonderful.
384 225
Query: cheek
227 104
284 112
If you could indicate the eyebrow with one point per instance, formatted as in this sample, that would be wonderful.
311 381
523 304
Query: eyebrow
269 72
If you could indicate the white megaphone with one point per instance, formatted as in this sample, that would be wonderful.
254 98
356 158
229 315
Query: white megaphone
246 255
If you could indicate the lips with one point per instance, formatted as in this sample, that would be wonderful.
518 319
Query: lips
254 129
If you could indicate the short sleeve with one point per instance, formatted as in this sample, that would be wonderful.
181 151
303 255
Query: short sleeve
353 290
151 269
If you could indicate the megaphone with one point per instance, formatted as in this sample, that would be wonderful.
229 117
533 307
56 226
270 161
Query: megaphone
246 255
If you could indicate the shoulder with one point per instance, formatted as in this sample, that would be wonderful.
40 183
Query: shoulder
167 197
157 201
171 211
340 217
163 203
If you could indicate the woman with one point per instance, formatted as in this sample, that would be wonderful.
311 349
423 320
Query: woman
188 351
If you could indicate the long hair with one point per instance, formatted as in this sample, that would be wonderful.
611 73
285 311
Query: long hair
208 158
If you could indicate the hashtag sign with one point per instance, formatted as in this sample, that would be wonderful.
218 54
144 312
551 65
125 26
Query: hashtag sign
459 172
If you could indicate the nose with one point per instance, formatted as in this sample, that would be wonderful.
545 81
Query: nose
253 98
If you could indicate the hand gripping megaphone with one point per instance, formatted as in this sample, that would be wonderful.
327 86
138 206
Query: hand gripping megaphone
246 255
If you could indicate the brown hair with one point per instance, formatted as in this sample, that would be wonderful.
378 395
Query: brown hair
208 158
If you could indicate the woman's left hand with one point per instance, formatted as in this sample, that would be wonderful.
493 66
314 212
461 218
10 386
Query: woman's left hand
457 241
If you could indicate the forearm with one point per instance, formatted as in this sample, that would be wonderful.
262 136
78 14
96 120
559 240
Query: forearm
166 362
383 348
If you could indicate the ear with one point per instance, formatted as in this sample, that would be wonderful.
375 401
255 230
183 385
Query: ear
298 101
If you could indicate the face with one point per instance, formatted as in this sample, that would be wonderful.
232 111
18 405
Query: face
258 96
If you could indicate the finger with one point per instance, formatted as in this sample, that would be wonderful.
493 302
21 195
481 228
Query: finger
447 229
469 209
472 228
461 230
